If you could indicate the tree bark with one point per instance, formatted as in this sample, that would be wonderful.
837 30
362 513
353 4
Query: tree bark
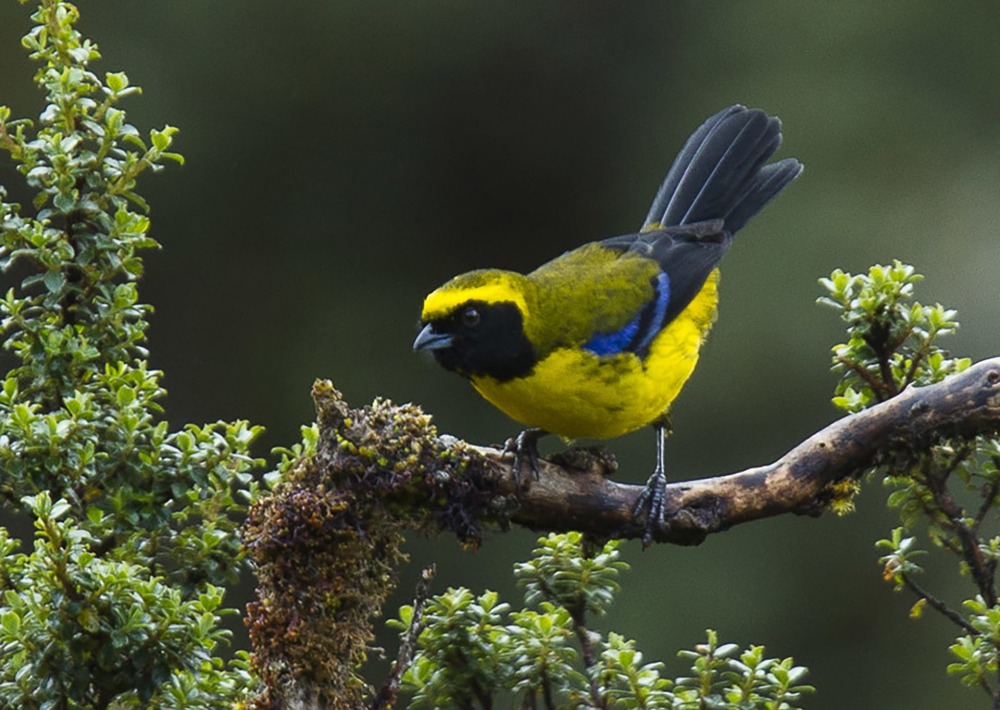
327 538
579 496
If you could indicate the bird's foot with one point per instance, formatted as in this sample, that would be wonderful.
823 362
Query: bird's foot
651 505
524 446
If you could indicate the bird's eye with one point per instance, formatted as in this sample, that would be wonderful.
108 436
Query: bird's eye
470 317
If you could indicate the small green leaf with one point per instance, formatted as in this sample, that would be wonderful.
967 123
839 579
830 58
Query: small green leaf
54 281
10 622
59 509
125 396
65 202
116 81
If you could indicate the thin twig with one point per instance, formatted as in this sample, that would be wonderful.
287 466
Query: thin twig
989 494
875 383
967 538
589 659
885 370
386 697
939 605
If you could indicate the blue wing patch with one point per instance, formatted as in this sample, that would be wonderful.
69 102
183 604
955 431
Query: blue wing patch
636 335
614 343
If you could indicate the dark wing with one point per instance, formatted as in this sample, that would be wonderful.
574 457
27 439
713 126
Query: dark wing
718 181
686 256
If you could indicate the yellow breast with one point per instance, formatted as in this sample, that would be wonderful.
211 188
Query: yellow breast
574 393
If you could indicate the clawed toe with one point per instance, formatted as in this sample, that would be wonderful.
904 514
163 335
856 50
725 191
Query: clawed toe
524 446
651 506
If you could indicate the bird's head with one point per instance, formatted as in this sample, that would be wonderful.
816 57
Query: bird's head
475 325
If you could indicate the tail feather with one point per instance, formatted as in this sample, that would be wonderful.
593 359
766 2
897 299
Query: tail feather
720 172
771 180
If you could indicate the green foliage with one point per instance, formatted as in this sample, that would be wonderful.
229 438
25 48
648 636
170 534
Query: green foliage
725 677
559 573
891 340
473 650
947 490
898 562
467 645
141 638
627 681
136 525
976 652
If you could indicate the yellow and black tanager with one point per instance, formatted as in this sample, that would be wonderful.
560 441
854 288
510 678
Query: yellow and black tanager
599 341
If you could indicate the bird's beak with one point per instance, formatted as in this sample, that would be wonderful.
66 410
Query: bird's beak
430 339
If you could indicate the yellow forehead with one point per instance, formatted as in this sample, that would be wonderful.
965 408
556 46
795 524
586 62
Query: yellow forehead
471 287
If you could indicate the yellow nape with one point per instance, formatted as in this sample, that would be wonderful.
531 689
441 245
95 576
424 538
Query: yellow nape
574 393
486 285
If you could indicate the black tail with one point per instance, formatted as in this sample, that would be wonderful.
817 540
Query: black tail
720 172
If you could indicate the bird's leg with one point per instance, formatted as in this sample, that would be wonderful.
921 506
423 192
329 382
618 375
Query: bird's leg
652 502
524 445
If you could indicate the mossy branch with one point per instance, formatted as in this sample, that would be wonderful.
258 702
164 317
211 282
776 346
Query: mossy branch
332 529
803 481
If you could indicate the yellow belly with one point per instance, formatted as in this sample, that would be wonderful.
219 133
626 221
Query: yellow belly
575 393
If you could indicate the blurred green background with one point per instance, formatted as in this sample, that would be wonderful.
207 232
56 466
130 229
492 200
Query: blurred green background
344 158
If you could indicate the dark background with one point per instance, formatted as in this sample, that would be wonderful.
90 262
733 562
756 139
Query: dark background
345 158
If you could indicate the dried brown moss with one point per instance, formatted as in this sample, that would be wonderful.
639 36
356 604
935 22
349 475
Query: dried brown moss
326 542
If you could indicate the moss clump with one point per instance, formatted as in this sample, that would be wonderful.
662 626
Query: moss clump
327 539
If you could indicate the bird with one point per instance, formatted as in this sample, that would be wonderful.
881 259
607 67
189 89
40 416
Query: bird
599 341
